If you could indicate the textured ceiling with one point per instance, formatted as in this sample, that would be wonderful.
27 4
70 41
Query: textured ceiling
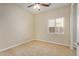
43 9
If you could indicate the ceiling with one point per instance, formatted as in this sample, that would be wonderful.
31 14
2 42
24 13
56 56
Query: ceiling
42 8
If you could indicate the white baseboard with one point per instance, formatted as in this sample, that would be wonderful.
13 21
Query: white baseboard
54 42
29 41
14 45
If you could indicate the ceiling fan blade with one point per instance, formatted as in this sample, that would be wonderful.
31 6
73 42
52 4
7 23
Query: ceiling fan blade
30 5
44 4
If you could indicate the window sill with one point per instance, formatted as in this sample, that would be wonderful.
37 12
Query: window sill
57 33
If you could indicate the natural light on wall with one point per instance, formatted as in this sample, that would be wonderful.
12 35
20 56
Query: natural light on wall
56 26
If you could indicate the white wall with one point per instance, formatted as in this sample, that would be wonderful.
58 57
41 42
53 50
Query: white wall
41 26
77 32
16 25
74 23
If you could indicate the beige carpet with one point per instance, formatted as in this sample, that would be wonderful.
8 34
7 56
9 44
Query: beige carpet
39 48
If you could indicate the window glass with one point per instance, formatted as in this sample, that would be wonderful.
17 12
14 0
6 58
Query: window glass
60 22
51 23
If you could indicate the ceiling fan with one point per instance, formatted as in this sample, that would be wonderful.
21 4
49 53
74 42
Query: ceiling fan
37 5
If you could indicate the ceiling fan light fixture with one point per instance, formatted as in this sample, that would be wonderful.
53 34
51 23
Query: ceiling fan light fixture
36 6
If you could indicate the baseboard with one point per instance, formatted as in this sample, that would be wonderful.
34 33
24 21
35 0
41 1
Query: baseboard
30 41
54 43
14 45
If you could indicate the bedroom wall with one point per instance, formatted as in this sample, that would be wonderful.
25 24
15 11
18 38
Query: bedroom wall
74 23
16 25
41 26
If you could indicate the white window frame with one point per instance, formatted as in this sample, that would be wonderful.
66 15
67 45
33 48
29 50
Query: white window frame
55 26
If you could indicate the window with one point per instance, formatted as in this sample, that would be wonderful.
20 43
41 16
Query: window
56 25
